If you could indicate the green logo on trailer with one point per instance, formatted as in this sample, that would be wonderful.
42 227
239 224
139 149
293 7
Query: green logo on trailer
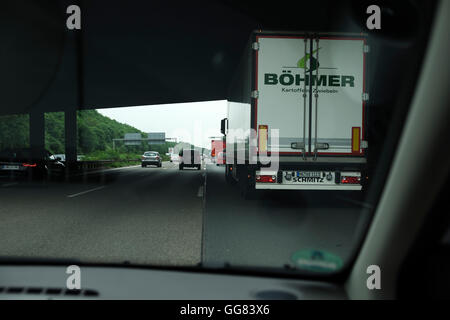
313 63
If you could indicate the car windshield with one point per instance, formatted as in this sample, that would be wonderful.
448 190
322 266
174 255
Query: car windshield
292 115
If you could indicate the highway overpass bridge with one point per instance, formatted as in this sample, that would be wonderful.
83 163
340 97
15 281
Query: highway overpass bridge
130 53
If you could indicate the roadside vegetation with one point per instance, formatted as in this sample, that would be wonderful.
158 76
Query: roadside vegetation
94 137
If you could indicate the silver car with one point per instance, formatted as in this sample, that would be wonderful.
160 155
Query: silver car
151 158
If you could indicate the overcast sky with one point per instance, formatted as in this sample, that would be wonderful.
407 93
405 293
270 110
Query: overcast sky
189 122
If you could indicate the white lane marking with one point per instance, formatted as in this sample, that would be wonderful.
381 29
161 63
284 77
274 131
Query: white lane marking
200 192
84 192
9 184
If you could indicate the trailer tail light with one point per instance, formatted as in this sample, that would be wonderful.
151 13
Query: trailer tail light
29 165
350 180
262 138
266 178
356 139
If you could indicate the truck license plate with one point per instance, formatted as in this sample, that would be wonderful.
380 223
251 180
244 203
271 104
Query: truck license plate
309 174
308 177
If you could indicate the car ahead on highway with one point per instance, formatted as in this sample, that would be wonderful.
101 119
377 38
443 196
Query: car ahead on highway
151 158
25 162
62 156
190 158
173 157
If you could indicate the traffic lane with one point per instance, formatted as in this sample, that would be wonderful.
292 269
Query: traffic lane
267 231
138 173
156 221
82 183
25 188
43 203
76 181
147 216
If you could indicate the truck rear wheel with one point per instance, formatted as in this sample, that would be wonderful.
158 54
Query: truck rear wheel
247 189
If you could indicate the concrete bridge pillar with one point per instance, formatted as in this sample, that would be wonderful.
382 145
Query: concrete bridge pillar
70 124
37 133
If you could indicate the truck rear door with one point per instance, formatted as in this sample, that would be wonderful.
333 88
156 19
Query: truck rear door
337 124
312 91
280 103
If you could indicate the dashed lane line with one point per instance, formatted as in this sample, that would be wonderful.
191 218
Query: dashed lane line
84 192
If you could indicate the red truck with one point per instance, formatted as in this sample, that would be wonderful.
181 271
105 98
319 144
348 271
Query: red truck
217 146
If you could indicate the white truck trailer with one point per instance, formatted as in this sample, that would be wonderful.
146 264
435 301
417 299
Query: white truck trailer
297 113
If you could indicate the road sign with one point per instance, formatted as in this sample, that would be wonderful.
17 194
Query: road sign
132 139
156 138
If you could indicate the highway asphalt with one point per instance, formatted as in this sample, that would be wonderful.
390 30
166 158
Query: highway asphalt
164 216
136 215
267 231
